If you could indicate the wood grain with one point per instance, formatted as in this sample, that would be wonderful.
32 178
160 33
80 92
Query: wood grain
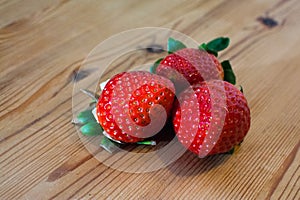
42 45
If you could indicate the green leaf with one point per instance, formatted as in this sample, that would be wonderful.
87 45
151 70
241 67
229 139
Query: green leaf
174 45
218 44
228 72
151 143
155 65
226 65
109 145
85 117
213 52
204 47
91 129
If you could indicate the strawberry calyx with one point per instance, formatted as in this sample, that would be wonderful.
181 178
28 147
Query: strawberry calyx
174 45
229 75
215 45
204 47
155 65
150 142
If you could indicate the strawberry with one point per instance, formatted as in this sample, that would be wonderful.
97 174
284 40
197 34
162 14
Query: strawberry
211 117
133 105
190 66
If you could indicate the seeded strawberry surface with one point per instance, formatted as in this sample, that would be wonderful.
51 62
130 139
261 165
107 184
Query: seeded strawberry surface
132 101
190 66
211 117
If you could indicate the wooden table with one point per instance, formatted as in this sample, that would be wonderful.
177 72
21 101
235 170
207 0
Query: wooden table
42 44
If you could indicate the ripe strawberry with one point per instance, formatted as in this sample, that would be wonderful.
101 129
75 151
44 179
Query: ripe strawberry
133 105
190 66
211 117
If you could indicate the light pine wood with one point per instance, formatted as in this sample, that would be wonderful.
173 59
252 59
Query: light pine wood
42 45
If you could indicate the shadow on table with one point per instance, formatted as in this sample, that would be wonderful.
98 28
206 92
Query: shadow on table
190 164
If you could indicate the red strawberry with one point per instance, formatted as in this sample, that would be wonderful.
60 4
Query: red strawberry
212 117
133 105
190 66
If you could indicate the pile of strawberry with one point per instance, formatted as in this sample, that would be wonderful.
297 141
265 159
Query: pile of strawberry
210 115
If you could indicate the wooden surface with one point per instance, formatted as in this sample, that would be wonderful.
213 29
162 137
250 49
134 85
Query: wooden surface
42 44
